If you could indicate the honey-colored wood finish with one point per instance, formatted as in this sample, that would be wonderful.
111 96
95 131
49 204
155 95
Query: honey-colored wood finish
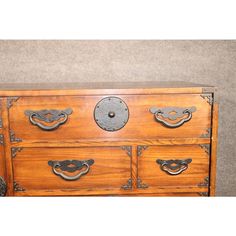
7 148
125 159
111 169
150 173
101 88
214 148
2 155
81 124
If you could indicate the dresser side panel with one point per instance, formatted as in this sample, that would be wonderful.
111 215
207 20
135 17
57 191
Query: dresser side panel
214 139
7 146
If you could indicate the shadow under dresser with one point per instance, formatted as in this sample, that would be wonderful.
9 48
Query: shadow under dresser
132 139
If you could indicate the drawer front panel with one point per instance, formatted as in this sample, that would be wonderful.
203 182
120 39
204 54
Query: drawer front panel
72 118
75 169
174 167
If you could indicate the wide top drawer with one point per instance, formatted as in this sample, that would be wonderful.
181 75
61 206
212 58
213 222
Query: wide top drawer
59 118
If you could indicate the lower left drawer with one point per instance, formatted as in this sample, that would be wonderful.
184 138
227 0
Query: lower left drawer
71 171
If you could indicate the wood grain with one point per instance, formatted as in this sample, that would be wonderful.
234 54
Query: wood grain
7 148
111 168
214 149
187 192
81 124
2 153
151 174
108 142
101 88
80 138
134 165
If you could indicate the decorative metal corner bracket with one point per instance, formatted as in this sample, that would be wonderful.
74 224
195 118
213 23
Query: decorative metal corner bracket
13 137
140 149
141 185
208 98
128 185
18 188
206 148
3 187
14 151
1 139
203 194
205 183
10 101
207 134
208 90
128 150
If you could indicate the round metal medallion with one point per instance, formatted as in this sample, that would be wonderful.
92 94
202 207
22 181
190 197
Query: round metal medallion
111 114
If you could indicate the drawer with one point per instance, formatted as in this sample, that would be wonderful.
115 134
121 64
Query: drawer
174 167
51 171
83 117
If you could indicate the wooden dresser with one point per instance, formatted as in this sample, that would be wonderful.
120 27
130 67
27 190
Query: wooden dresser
145 139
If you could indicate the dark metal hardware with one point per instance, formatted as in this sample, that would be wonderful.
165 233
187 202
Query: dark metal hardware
127 186
205 183
0 122
172 113
17 187
3 187
140 184
174 167
207 134
111 114
206 148
203 194
14 151
208 98
1 139
209 90
48 116
140 149
13 137
10 101
70 166
128 150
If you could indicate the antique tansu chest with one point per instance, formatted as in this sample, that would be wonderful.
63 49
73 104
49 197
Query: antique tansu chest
143 139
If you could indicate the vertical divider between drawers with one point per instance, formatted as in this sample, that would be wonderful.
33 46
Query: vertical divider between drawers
134 167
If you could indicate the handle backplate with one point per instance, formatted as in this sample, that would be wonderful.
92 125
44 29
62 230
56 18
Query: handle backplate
174 167
53 118
172 113
70 166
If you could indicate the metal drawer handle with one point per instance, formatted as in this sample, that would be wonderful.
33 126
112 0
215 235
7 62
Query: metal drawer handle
70 166
48 116
172 113
174 167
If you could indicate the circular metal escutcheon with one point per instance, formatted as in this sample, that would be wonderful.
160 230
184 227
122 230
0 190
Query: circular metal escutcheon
111 113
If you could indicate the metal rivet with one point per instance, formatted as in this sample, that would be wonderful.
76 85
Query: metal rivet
111 114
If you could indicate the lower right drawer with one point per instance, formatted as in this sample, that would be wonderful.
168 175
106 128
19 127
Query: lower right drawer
174 167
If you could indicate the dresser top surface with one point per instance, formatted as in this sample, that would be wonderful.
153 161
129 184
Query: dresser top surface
99 85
